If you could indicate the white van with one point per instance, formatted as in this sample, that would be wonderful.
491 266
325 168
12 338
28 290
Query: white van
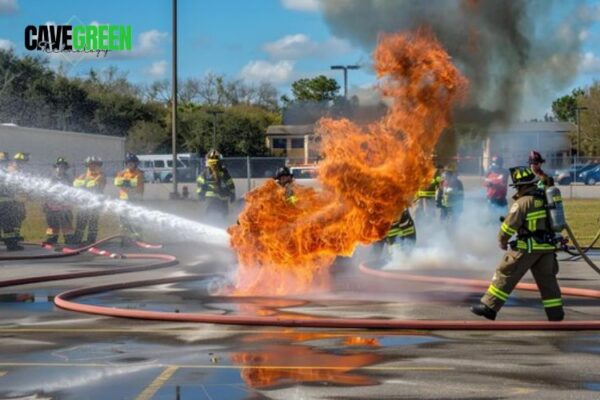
159 167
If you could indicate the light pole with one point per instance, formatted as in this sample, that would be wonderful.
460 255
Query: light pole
175 193
345 68
214 134
578 112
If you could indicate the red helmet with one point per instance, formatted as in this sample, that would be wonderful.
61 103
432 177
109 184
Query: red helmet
535 157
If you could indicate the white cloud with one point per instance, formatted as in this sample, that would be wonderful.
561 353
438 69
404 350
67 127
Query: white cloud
8 6
6 44
590 63
264 71
301 5
294 47
583 35
157 69
150 40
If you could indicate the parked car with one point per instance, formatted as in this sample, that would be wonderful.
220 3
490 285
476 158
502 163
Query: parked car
591 176
159 167
567 176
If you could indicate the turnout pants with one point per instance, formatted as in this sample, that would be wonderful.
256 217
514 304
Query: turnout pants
216 206
86 219
513 266
59 221
12 214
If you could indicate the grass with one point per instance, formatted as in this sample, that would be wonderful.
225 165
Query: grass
582 214
34 226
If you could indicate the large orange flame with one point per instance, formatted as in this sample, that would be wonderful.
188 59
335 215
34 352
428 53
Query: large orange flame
368 175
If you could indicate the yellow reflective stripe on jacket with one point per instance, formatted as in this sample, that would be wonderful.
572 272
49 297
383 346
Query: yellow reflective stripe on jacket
425 194
494 291
119 181
79 183
531 245
552 303
292 199
398 232
507 229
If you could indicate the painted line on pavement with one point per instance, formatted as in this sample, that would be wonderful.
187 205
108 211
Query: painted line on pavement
157 383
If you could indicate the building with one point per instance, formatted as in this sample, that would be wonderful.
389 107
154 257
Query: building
514 142
45 146
295 142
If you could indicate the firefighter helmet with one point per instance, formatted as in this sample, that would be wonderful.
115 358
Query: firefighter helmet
535 158
61 161
22 157
523 176
283 171
498 161
4 156
131 158
93 160
213 158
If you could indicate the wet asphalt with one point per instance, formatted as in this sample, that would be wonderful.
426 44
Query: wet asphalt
49 353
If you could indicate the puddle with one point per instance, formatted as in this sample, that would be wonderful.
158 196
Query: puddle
595 386
27 301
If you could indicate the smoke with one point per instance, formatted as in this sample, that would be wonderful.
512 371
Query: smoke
468 243
180 228
509 50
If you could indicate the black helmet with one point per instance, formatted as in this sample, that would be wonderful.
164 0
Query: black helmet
61 161
535 157
498 160
131 158
523 176
93 160
283 171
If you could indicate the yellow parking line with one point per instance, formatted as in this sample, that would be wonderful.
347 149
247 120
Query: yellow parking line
224 366
157 383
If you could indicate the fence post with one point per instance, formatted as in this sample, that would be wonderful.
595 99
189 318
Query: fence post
248 172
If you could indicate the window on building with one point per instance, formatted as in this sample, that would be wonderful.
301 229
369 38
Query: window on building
298 143
279 143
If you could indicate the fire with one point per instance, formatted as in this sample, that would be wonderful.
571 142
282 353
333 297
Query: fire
368 175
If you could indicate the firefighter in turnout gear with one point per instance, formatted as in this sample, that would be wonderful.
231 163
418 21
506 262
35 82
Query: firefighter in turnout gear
450 195
215 185
402 235
94 181
535 163
285 178
12 207
59 215
130 182
425 205
533 249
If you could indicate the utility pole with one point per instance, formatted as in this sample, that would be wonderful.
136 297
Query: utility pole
214 134
345 68
175 193
578 113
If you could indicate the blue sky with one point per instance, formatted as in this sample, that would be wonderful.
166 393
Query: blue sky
274 40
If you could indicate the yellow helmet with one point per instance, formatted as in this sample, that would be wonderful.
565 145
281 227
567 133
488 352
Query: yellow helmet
23 157
4 156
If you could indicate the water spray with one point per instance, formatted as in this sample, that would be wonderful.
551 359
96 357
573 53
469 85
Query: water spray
183 229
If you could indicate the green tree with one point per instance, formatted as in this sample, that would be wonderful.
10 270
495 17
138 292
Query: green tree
564 107
146 137
590 121
320 88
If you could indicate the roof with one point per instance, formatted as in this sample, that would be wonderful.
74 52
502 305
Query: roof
291 129
15 129
534 127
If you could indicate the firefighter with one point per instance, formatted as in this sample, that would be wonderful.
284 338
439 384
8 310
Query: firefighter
94 181
425 205
535 163
215 185
130 182
59 215
402 235
12 208
496 183
450 195
532 249
285 178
